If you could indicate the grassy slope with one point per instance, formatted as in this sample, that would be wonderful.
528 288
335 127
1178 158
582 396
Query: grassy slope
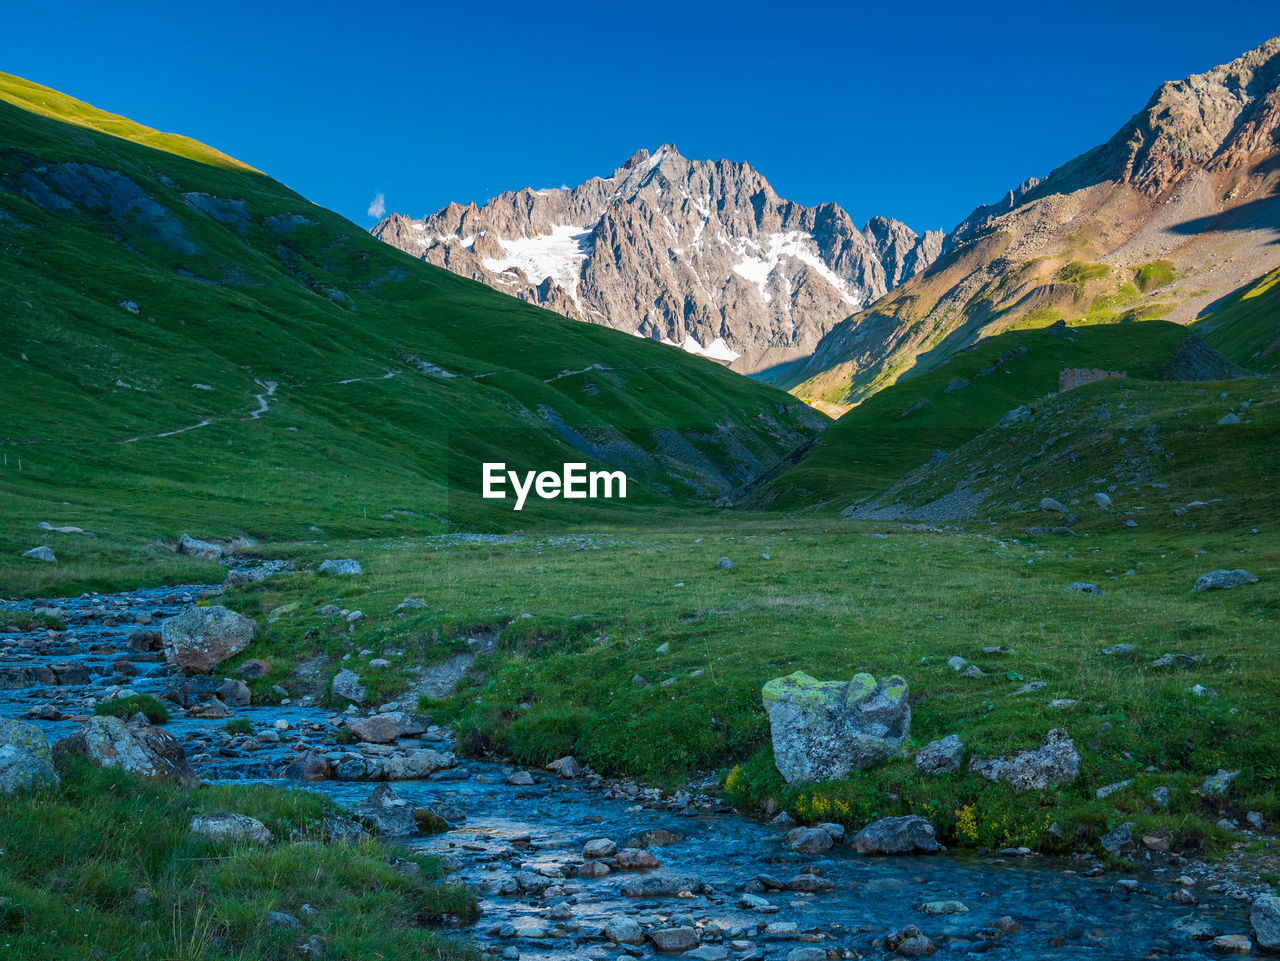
1247 326
105 867
232 300
873 445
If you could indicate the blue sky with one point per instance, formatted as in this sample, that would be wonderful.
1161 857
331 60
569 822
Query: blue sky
915 110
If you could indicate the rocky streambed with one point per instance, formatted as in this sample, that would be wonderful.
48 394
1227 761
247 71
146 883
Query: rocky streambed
567 864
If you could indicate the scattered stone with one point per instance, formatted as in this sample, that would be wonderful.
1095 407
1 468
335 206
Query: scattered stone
385 728
973 671
659 886
623 930
956 662
417 764
1223 579
521 779
1054 763
636 859
346 686
674 940
311 766
724 564
1110 789
1102 500
386 813
599 848
822 730
234 693
1175 660
1229 418
41 553
1217 785
1049 504
567 767
1119 649
1231 943
897 835
227 826
1119 840
200 638
253 669
942 756
944 907
203 550
809 840
344 566
1084 588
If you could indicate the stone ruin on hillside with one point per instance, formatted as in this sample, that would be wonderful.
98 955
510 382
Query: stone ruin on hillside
1079 376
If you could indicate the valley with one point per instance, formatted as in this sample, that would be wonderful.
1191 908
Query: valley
964 645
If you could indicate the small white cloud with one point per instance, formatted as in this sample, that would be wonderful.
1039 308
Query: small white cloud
379 207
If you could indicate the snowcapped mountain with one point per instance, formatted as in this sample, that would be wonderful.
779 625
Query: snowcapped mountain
703 255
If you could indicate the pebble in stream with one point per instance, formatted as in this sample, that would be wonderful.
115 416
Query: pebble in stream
599 869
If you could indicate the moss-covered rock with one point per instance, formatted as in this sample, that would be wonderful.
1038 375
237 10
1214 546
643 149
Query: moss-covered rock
822 730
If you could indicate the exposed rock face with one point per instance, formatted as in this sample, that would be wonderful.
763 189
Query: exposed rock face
145 751
200 638
900 835
25 759
1190 181
700 254
1055 763
822 730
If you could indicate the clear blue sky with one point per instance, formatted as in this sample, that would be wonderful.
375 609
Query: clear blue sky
916 110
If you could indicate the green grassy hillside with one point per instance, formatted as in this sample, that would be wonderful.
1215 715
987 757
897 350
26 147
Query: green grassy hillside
899 428
1247 326
190 345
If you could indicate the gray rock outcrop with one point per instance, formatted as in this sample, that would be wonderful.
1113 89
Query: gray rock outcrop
822 730
1054 763
201 638
146 751
909 834
26 760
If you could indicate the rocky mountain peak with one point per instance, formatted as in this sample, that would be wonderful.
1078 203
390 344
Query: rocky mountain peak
700 254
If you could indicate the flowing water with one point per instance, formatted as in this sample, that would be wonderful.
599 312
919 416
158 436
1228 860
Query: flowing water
745 894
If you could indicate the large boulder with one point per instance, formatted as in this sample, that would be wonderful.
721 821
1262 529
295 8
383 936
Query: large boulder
25 758
822 730
386 814
417 764
1054 763
385 728
941 756
1265 918
196 548
1223 579
239 828
146 751
900 835
200 638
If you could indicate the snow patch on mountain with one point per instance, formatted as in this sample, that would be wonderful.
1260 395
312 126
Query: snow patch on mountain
557 255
